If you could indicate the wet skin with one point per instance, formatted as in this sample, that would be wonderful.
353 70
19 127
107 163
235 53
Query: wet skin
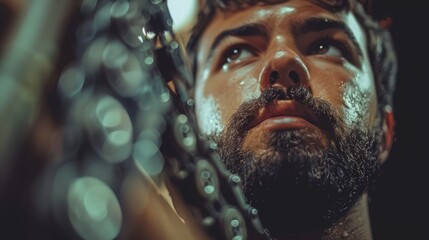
282 45
306 164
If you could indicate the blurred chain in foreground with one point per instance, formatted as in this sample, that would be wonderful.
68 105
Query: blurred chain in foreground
97 125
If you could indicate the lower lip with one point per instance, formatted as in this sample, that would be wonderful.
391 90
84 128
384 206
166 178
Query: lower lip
285 122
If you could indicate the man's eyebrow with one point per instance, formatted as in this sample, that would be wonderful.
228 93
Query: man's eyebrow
317 24
251 29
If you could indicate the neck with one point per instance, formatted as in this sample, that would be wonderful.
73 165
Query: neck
355 225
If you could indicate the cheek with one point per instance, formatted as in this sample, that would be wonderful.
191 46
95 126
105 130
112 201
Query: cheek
208 115
207 107
218 98
348 89
360 99
328 82
248 89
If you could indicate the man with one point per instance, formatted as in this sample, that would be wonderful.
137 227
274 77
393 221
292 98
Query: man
297 94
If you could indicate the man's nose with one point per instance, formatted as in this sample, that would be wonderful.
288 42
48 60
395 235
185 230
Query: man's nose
284 69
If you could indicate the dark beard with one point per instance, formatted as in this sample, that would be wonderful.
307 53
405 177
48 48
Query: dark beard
298 185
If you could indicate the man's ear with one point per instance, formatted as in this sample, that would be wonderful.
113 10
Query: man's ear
389 133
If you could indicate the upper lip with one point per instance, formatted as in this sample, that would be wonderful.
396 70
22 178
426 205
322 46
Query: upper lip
285 108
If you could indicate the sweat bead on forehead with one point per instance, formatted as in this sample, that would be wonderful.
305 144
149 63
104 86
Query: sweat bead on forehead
262 26
379 45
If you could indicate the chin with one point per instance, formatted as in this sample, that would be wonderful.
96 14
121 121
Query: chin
295 177
300 178
274 146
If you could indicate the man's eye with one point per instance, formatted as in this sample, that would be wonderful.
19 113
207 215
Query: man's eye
326 48
236 55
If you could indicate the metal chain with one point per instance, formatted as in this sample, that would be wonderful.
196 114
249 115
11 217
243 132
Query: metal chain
122 116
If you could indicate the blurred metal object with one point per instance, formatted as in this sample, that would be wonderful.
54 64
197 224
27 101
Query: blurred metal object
125 131
25 67
114 102
217 203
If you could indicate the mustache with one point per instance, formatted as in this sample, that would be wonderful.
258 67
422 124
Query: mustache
323 110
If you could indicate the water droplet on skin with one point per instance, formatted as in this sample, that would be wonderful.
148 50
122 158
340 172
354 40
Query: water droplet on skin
211 122
242 83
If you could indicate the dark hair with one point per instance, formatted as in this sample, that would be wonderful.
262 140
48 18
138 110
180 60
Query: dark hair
380 45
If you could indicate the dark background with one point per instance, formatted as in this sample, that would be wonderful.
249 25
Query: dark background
399 202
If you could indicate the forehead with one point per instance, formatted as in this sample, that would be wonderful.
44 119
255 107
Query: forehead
275 16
